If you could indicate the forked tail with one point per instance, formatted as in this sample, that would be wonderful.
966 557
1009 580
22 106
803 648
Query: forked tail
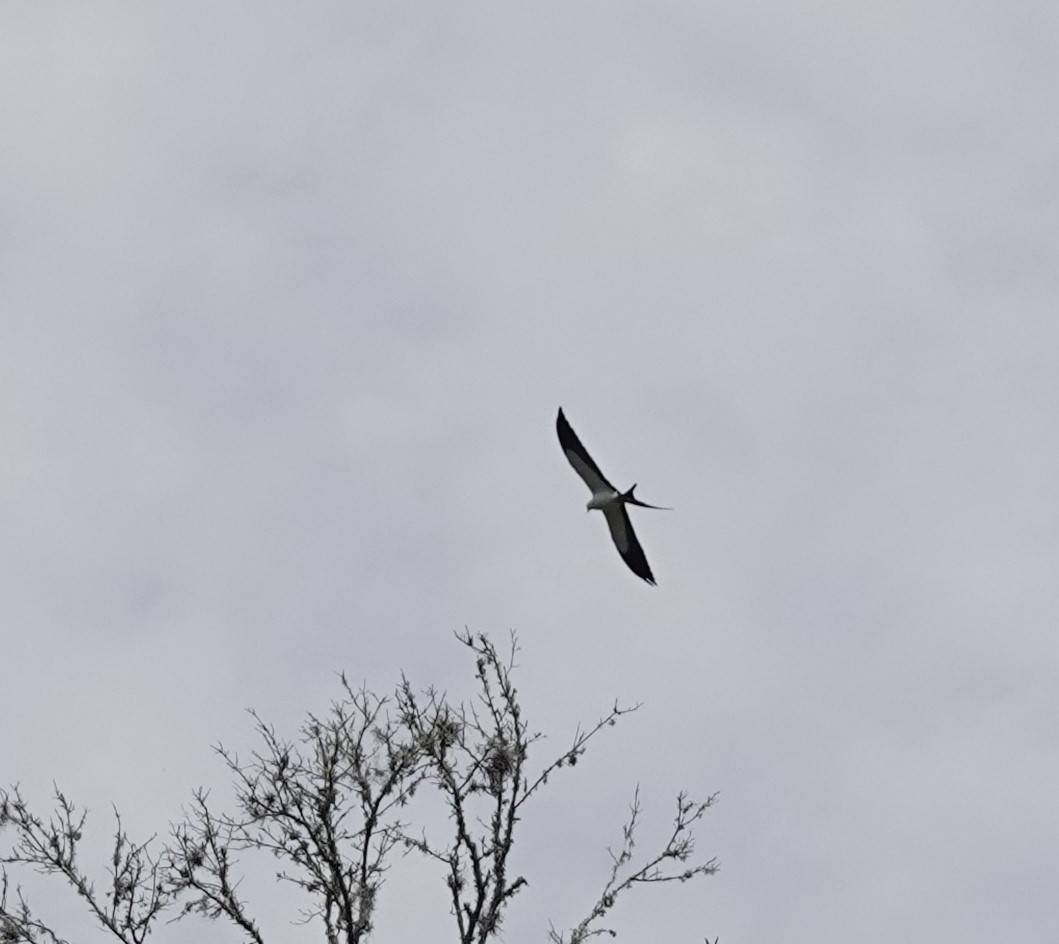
631 499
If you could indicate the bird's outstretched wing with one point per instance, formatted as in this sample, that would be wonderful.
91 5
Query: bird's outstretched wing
625 541
579 458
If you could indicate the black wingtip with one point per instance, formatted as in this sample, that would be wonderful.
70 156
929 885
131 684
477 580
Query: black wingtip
562 427
647 578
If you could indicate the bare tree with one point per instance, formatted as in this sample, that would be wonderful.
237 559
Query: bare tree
329 805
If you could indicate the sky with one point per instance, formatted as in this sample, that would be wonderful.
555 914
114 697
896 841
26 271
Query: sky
291 294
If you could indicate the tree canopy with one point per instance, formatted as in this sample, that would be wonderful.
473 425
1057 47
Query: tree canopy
332 806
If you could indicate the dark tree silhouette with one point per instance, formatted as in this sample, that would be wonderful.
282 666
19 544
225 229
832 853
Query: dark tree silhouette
330 806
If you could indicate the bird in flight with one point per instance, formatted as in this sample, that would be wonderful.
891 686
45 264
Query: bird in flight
606 498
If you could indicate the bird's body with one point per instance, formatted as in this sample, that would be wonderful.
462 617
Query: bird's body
600 500
606 498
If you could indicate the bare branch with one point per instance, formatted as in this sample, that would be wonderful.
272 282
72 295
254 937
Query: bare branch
200 862
581 738
17 923
135 895
662 867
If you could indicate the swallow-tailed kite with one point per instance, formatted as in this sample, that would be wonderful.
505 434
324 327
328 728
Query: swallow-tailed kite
606 498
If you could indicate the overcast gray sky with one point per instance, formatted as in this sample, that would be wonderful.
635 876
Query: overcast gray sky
290 294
